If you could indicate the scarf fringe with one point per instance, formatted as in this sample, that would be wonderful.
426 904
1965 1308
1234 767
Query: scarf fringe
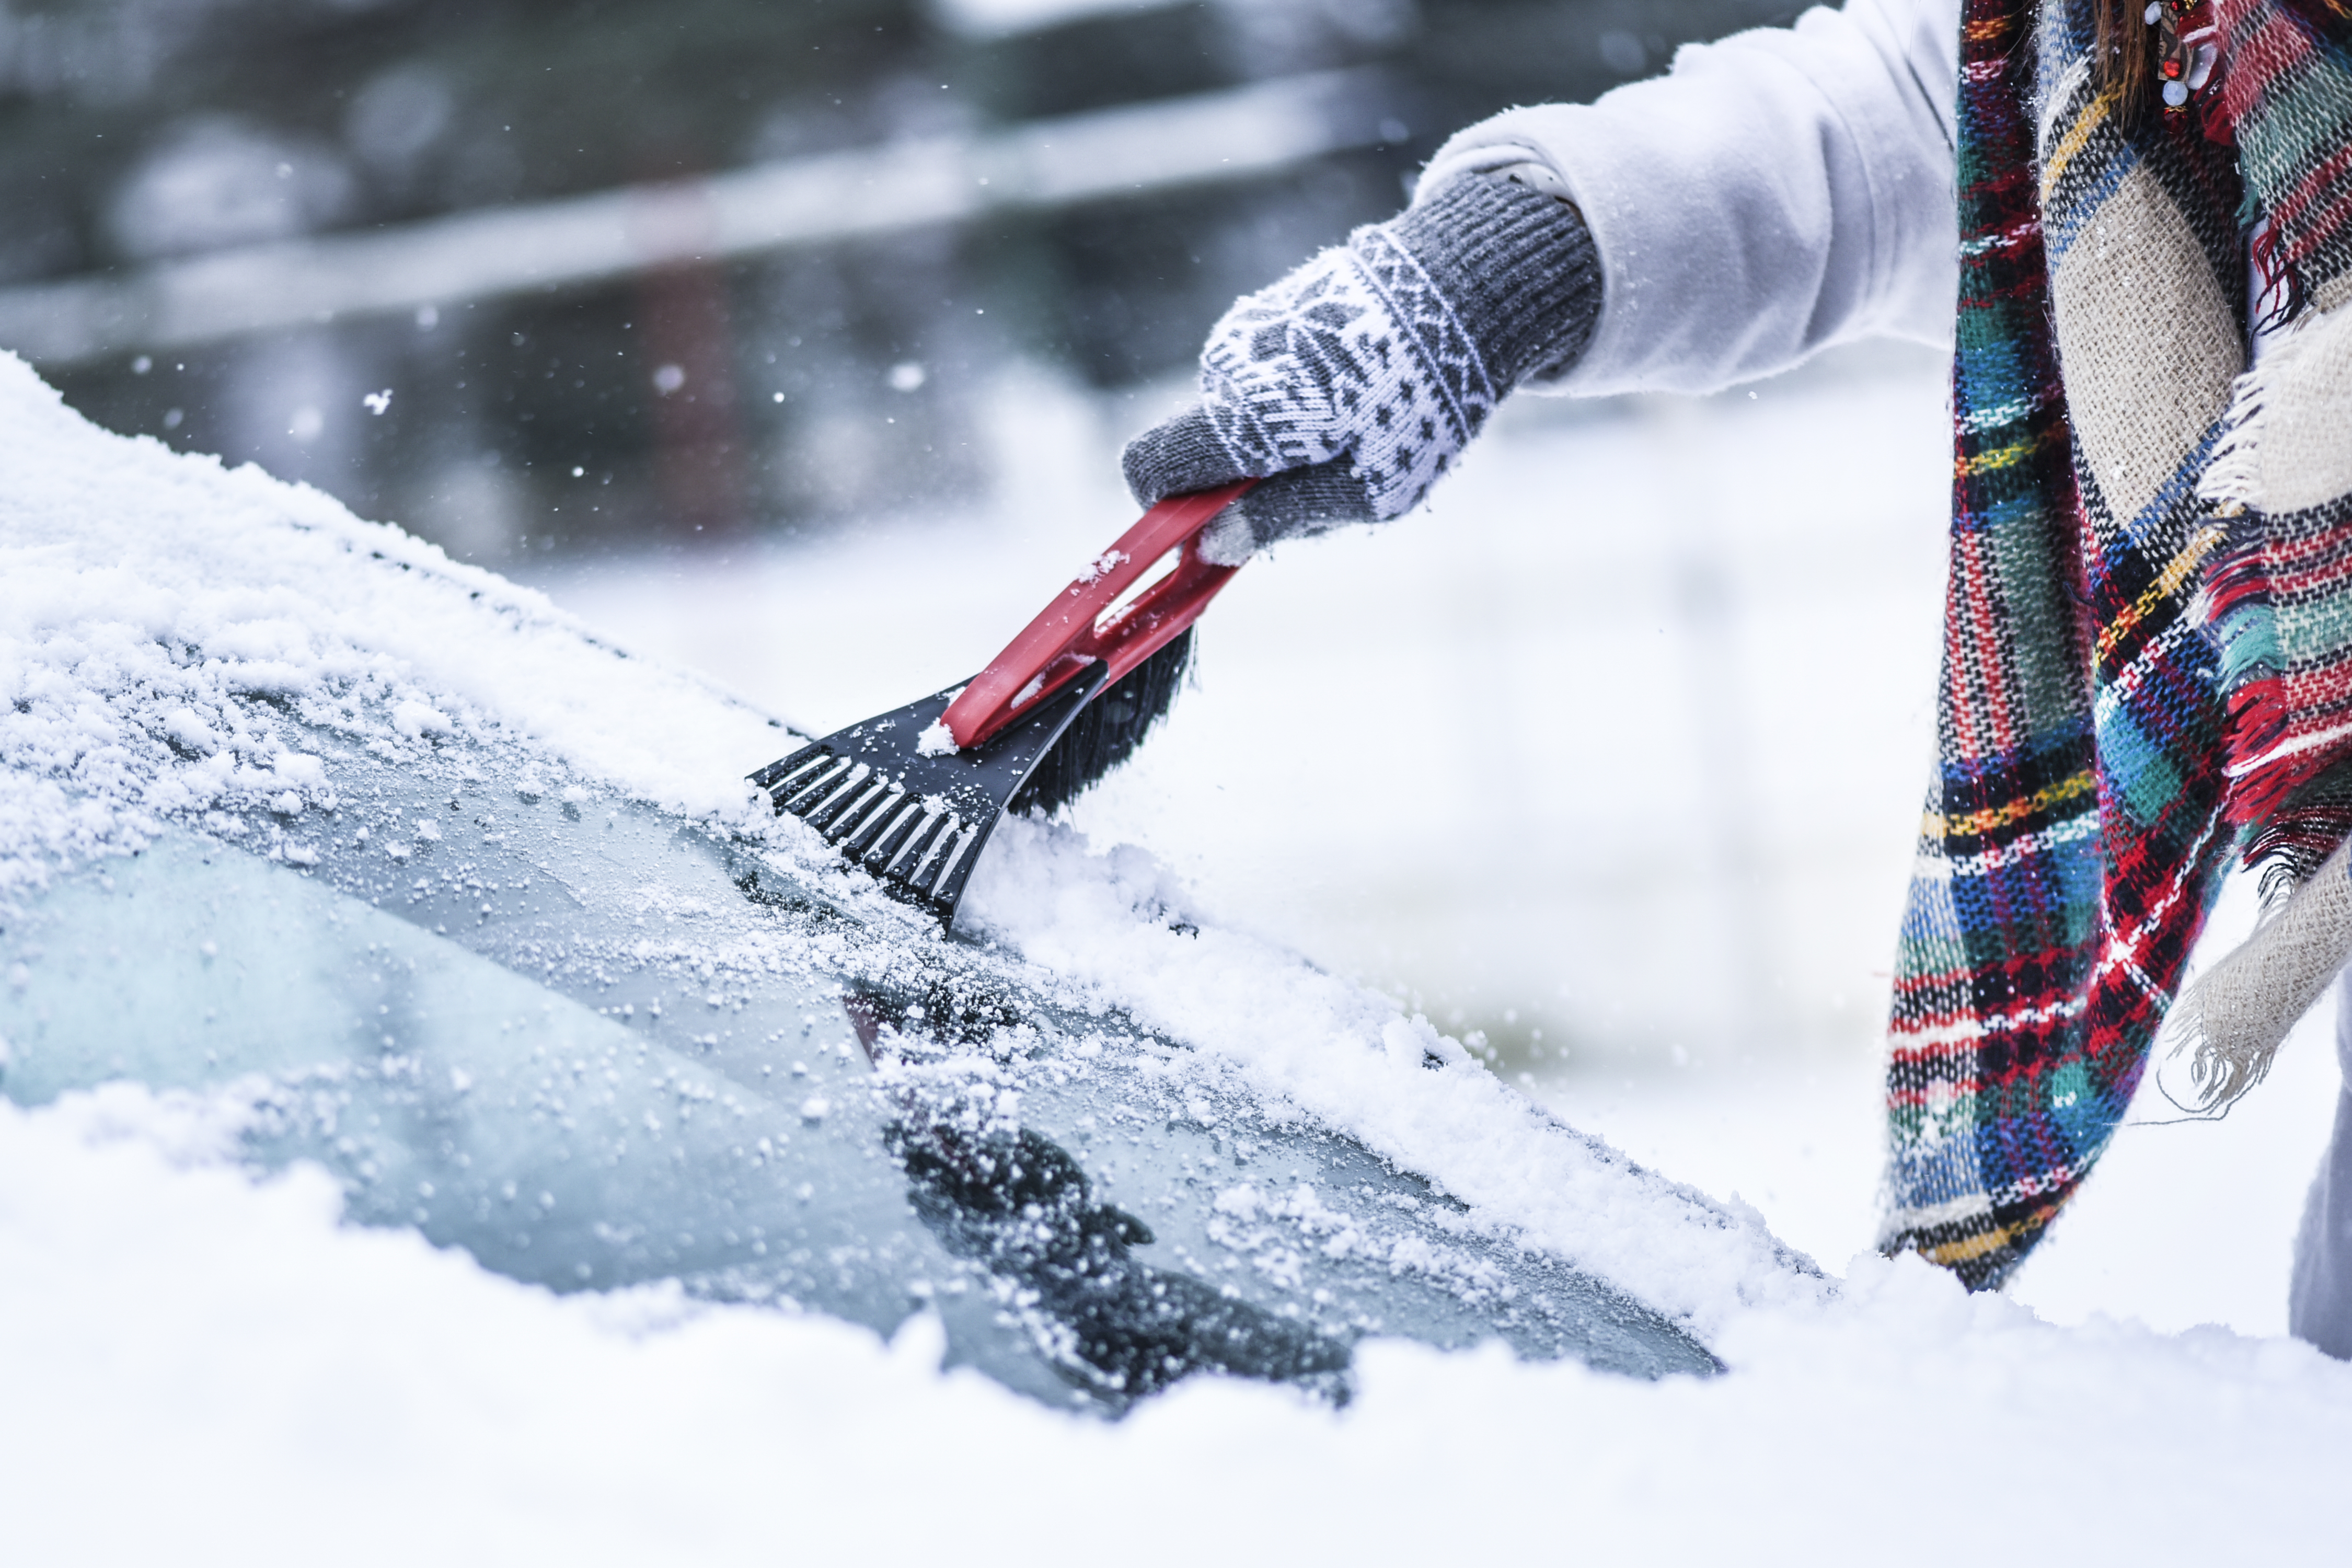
2232 480
2289 849
2228 1026
2229 1023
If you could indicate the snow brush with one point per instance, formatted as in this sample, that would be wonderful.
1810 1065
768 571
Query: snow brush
912 794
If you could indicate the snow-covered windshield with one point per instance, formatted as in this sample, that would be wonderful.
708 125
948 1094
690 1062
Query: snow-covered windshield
594 1046
407 876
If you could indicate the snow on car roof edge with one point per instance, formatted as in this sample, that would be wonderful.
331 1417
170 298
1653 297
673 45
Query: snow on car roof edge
149 592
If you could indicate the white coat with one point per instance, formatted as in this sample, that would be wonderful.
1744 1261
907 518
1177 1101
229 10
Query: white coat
1773 194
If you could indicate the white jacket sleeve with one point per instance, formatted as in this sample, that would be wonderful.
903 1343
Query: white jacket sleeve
1775 193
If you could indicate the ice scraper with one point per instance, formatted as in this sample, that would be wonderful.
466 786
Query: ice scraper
912 794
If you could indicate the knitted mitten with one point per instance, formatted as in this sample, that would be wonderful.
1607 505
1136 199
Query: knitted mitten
1356 380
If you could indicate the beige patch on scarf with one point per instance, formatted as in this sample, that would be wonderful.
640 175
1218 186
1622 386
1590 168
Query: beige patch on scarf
2149 345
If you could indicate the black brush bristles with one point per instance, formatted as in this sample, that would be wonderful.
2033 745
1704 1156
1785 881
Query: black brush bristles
1107 731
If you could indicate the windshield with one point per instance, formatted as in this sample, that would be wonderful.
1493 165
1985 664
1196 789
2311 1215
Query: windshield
594 1045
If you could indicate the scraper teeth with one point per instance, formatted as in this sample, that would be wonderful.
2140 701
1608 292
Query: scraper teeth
779 780
915 826
947 867
798 801
838 793
871 810
855 802
919 878
915 838
884 826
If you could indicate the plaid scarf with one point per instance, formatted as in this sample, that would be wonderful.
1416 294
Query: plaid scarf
2139 681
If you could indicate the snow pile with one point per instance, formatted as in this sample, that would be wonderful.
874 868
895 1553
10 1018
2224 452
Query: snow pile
199 1369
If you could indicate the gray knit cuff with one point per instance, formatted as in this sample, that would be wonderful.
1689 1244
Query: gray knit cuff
1517 267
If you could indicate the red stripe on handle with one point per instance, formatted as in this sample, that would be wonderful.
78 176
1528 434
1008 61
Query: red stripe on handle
1071 633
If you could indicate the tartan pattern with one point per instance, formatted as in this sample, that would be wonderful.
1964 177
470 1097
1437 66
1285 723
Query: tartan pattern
2074 838
2282 586
2285 95
2281 614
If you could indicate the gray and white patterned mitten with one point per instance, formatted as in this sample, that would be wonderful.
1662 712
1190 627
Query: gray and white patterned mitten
1352 384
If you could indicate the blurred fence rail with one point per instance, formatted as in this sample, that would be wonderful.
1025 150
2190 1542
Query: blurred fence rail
1204 139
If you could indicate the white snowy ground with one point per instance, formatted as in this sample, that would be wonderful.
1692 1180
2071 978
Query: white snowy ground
197 1368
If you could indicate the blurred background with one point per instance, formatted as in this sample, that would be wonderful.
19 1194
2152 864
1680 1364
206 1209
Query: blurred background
748 266
796 341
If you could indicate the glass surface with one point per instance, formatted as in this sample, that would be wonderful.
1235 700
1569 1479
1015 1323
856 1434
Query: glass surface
594 1045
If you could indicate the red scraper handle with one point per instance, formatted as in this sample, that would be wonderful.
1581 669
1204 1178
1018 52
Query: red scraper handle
1134 600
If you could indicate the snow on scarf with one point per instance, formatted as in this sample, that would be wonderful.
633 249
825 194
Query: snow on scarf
2139 680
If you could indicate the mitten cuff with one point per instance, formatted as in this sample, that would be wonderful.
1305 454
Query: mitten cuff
1517 267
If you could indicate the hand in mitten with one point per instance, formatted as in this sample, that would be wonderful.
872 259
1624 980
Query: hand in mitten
1350 386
